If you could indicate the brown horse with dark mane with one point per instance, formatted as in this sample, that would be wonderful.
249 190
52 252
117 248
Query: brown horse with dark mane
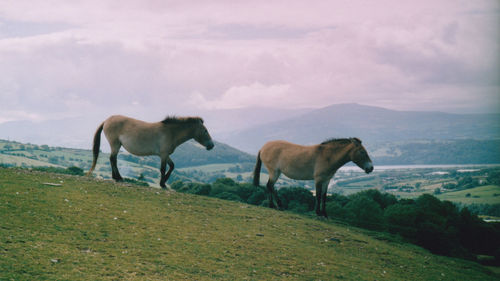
142 138
315 162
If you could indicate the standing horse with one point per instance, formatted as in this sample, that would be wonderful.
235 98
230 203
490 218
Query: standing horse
315 162
142 138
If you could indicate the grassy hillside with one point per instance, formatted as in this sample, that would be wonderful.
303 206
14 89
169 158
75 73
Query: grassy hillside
57 227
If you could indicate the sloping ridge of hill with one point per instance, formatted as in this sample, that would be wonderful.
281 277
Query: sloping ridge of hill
371 124
193 154
188 154
77 228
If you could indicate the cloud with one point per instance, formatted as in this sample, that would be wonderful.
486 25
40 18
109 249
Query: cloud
13 115
149 57
255 94
66 78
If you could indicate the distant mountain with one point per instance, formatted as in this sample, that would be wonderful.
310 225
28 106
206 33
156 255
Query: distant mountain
224 122
392 137
373 125
193 154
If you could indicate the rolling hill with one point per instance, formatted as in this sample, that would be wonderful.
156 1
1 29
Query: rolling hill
57 227
189 154
374 125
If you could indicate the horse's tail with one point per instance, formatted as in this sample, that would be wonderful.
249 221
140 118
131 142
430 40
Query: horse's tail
256 171
97 144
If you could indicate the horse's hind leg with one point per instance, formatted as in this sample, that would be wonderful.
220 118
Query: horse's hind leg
321 189
278 200
271 191
114 167
114 163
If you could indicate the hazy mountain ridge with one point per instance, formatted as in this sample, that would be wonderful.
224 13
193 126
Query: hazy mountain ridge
248 129
372 124
391 137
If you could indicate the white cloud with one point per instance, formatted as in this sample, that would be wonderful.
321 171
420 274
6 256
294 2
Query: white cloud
13 115
255 94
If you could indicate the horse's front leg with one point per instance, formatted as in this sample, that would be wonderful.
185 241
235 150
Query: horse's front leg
323 198
163 168
319 191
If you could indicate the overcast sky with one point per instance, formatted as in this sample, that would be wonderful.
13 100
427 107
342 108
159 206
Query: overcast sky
64 58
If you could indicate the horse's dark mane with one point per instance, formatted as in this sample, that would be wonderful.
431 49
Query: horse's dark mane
343 141
181 120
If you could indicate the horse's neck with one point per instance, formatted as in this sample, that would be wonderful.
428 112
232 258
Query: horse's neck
181 134
342 154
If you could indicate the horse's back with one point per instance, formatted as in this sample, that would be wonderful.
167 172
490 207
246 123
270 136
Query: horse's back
119 124
124 120
137 137
281 146
294 160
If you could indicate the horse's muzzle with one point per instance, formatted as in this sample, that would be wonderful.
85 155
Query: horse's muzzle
210 145
369 168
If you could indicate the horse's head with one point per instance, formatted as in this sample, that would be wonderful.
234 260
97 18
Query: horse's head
202 136
360 157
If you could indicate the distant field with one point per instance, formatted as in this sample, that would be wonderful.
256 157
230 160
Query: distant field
404 182
210 168
489 194
19 161
58 227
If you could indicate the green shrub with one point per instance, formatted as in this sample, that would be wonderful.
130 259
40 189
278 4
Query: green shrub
292 197
257 198
364 212
228 196
73 170
401 218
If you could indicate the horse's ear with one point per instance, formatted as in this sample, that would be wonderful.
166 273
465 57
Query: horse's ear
356 141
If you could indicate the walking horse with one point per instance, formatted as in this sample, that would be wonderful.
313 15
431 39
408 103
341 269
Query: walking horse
315 162
143 138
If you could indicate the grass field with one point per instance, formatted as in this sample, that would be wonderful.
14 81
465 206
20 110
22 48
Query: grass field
210 167
58 227
19 161
489 194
